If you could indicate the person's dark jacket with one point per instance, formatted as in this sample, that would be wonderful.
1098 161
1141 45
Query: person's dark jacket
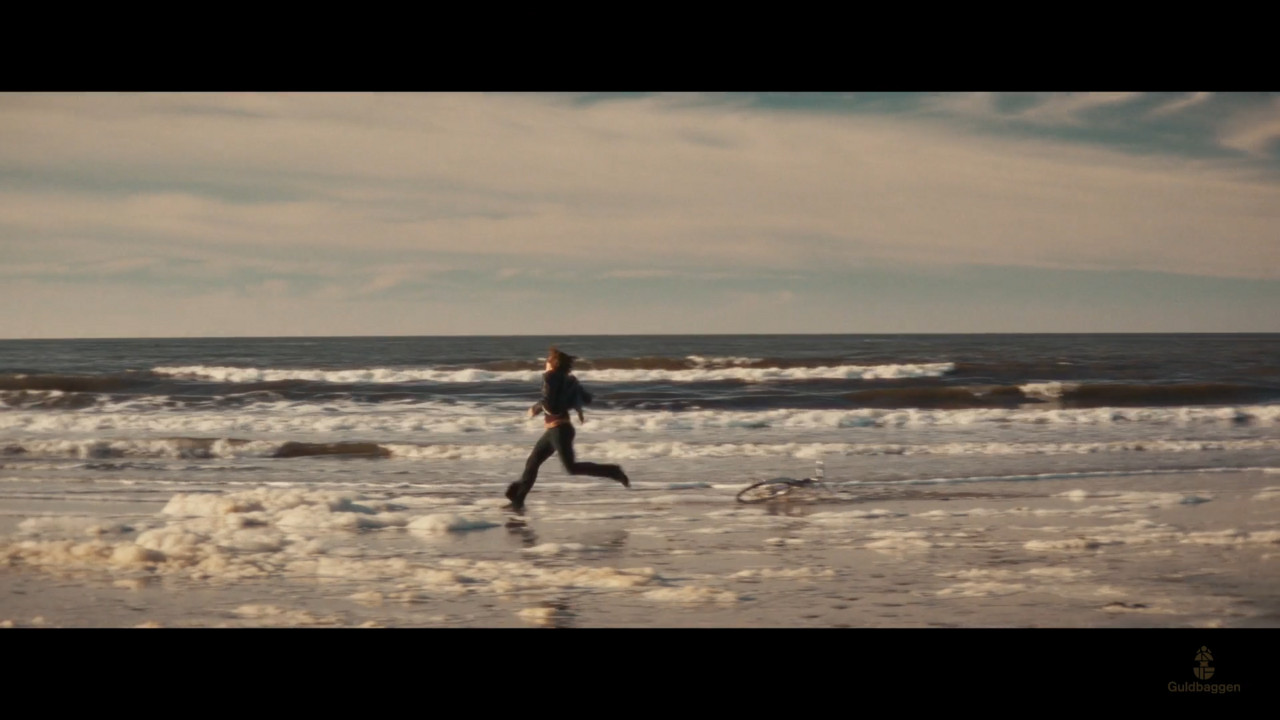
561 392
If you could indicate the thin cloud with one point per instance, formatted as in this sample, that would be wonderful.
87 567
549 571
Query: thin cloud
1073 108
1178 105
1042 109
1255 132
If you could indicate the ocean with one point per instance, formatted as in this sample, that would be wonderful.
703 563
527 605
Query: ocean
970 480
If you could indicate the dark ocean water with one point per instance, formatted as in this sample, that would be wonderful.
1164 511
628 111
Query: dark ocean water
758 372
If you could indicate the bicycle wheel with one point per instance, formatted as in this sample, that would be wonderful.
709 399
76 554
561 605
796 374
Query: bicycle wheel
766 490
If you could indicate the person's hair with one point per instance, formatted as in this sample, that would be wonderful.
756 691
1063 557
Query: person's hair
560 361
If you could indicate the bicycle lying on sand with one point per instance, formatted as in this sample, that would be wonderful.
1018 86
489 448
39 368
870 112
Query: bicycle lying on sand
783 487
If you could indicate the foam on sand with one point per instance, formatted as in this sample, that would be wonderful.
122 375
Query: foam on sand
1233 537
798 573
692 594
297 534
900 541
1136 533
1140 498
447 523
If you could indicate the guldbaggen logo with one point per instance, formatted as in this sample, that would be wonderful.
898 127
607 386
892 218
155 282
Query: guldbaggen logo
1203 669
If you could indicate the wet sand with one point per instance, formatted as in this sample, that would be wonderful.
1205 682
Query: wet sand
1177 550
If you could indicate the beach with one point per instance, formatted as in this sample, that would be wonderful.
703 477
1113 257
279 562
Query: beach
305 493
1189 550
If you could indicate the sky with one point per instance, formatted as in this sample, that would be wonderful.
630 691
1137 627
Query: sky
327 214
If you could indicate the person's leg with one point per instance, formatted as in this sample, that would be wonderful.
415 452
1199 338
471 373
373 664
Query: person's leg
542 450
563 442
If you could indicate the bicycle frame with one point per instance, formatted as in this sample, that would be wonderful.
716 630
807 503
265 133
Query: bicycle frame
780 487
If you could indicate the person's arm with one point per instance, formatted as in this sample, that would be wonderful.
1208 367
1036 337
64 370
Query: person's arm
543 403
580 397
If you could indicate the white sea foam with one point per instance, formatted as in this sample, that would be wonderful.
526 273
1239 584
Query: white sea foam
701 361
849 516
982 582
708 373
1149 499
1056 476
539 615
1232 537
692 594
415 420
983 589
557 549
276 616
799 573
449 523
72 525
900 541
617 450
1047 390
257 534
1067 543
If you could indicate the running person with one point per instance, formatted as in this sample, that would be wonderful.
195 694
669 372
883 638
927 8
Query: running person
561 393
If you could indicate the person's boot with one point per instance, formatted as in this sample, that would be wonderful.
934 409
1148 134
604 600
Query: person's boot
515 495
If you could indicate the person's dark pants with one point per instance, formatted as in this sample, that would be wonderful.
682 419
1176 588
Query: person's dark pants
557 440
